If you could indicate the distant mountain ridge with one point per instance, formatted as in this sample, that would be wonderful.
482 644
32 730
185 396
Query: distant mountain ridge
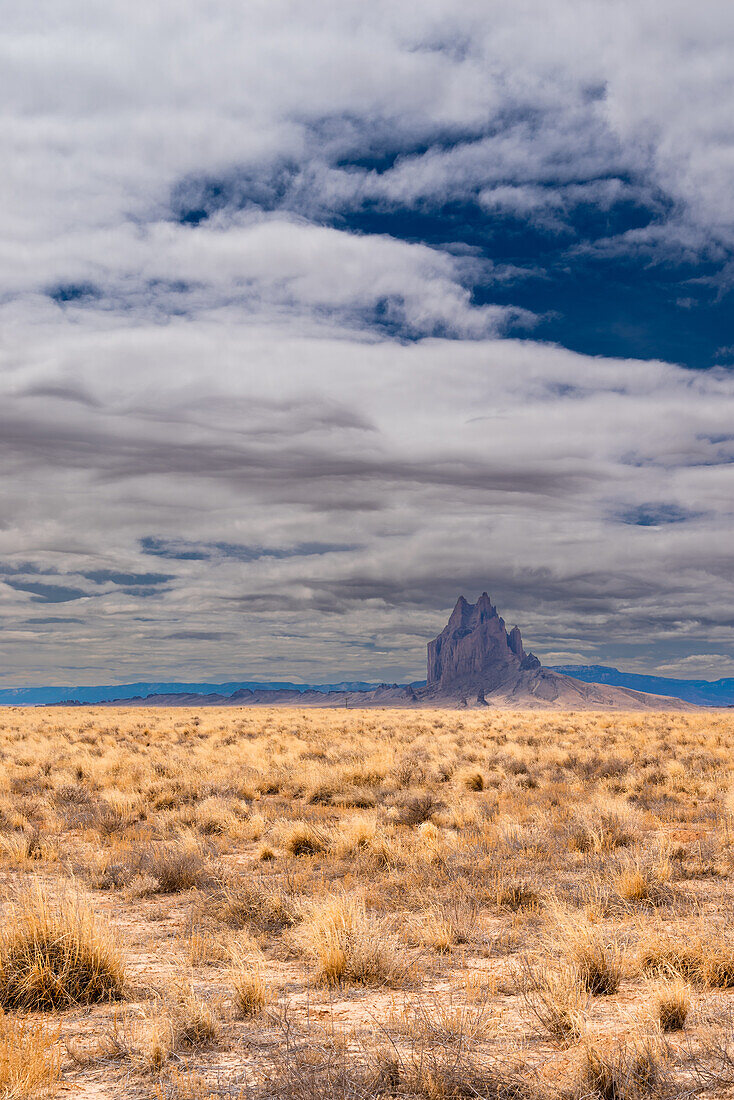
705 693
39 696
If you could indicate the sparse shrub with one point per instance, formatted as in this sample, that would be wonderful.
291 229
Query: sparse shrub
300 838
56 954
663 956
246 903
596 962
623 1070
717 963
348 946
516 895
604 831
443 927
645 880
176 866
671 1005
183 1023
709 961
252 992
214 817
416 809
30 1063
557 999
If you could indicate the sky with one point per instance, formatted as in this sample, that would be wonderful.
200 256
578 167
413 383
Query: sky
313 316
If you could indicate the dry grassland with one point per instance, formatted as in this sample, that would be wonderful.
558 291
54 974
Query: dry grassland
361 904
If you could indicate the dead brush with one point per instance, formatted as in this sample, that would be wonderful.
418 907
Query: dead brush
556 998
56 954
622 1070
252 991
348 946
416 809
30 1059
184 1022
670 1005
176 866
433 1072
604 831
645 880
444 1022
444 926
595 958
513 896
301 838
255 903
708 961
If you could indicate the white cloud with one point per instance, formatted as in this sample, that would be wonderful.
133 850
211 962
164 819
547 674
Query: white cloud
229 381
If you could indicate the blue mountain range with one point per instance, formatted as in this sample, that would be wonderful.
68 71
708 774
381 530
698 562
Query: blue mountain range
711 693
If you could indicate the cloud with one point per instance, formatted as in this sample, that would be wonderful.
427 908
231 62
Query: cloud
332 317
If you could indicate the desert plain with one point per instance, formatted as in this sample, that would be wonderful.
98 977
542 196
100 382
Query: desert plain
307 904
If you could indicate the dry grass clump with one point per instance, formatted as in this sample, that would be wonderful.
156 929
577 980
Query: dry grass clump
514 896
709 960
645 879
595 958
30 1061
604 831
670 1005
621 1070
300 838
159 867
416 809
176 866
349 946
183 1023
56 954
443 927
253 903
556 998
252 990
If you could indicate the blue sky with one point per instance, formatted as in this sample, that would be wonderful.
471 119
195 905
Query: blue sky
314 316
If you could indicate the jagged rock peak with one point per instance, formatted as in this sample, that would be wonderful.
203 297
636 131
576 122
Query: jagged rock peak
474 650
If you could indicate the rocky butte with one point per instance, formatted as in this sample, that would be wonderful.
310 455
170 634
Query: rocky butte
473 662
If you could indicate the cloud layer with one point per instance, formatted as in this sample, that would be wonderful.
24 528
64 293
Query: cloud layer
277 286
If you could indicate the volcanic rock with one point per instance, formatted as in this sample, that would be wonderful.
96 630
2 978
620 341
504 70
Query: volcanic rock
475 661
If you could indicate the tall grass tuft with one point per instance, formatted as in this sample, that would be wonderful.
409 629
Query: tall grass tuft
349 946
56 954
30 1063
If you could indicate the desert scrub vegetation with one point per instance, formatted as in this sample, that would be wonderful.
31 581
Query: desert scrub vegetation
325 903
30 1059
56 953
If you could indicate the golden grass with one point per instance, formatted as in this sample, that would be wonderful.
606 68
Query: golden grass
56 954
671 1005
252 990
341 903
30 1059
348 946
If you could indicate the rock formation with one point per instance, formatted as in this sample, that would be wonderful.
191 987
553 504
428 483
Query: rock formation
474 661
474 650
